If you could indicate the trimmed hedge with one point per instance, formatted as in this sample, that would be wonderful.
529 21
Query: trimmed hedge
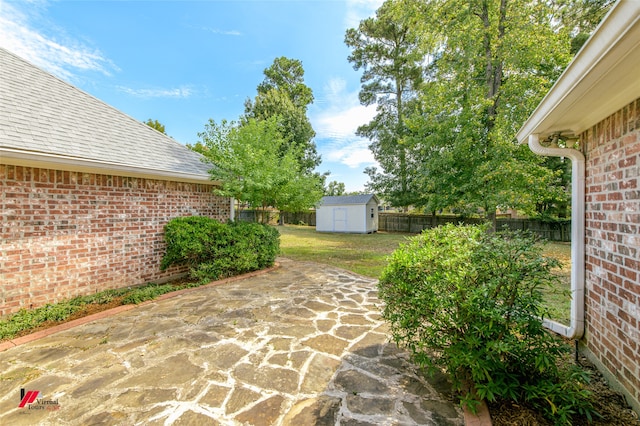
213 250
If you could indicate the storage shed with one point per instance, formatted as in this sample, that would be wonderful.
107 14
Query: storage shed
348 213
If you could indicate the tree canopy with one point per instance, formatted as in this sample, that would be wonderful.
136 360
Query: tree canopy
335 188
283 94
255 164
267 158
155 124
388 51
475 71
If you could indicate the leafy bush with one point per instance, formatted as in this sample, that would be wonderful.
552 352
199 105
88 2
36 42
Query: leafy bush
100 298
29 319
214 250
26 319
469 301
211 249
148 292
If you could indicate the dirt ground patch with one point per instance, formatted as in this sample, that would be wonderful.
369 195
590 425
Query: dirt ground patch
610 404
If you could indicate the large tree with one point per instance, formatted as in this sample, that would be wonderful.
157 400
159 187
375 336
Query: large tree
489 64
335 188
283 94
387 49
155 124
255 164
581 17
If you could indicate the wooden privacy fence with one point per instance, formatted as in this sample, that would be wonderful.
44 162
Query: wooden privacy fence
303 218
272 216
414 223
400 222
247 215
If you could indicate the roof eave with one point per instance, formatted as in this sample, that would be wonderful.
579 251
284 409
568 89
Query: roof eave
335 200
600 80
61 162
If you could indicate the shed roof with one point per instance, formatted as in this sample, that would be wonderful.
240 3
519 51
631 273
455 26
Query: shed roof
47 122
601 79
330 200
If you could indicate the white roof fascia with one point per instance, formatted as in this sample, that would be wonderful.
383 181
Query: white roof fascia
342 200
59 162
601 79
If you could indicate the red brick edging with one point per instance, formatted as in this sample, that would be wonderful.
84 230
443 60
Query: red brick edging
481 418
7 344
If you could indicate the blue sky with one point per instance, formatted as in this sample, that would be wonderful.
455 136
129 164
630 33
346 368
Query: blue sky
184 62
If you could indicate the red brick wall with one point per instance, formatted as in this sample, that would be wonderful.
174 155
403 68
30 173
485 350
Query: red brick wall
612 149
63 234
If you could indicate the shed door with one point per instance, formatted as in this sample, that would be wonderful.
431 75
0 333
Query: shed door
339 219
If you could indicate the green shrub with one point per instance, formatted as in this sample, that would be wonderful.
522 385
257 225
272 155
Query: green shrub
26 319
148 292
29 319
211 250
100 298
214 250
469 301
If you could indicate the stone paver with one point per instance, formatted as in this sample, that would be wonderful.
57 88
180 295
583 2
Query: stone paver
301 345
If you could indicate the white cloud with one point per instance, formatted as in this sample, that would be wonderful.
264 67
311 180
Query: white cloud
358 10
19 35
338 113
336 123
181 92
222 32
354 154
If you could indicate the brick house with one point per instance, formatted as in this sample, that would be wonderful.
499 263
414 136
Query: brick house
596 105
85 191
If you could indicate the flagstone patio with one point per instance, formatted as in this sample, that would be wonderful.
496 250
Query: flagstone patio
303 344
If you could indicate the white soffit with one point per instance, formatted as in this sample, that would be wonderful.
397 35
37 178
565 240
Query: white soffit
602 78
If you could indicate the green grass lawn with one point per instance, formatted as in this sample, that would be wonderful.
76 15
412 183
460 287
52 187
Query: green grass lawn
366 254
558 300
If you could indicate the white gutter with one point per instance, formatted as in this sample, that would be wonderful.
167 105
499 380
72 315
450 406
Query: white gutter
576 328
232 213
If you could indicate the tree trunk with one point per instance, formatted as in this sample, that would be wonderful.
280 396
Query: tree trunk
402 153
493 58
492 216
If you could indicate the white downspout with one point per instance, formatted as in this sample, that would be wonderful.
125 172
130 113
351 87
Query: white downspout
576 328
232 212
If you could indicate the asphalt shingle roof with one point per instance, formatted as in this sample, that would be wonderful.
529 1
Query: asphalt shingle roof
330 200
41 114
